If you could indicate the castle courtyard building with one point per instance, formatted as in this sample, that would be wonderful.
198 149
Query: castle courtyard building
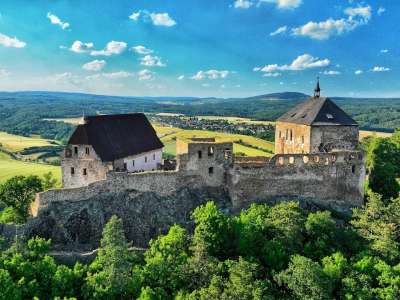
125 142
314 126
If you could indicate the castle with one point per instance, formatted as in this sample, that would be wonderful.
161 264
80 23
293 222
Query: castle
317 161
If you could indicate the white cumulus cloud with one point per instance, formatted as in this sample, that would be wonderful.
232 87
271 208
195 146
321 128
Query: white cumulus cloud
211 74
181 77
4 73
158 19
162 19
117 75
272 74
141 50
280 30
242 4
57 21
357 16
95 65
380 69
358 72
151 61
111 48
7 41
302 62
80 47
384 51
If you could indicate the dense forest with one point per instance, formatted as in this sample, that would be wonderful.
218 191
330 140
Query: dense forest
278 252
24 113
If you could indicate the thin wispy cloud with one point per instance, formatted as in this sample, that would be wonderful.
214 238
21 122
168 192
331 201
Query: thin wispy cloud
11 42
57 21
95 65
211 74
380 69
141 50
280 30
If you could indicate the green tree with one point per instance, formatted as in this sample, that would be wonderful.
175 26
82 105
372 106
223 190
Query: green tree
213 230
383 163
8 289
49 182
306 279
109 275
379 224
19 192
166 261
321 234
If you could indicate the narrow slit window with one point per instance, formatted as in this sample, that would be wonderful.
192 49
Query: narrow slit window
199 154
76 150
87 150
72 171
145 159
84 172
133 163
211 170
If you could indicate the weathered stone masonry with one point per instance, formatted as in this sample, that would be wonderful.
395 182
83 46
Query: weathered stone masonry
150 202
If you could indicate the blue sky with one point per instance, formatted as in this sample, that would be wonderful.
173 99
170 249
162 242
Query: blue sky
219 48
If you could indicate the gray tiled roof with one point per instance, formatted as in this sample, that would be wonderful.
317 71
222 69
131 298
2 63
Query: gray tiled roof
117 136
317 111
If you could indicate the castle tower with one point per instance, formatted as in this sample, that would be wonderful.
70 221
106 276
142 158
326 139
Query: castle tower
314 126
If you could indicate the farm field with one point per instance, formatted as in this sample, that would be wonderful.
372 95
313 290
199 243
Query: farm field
169 135
10 167
15 143
364 133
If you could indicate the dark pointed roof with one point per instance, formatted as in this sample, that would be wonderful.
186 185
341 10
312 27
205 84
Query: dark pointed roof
317 111
117 136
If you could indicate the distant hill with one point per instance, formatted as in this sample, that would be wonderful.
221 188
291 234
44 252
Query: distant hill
281 96
20 111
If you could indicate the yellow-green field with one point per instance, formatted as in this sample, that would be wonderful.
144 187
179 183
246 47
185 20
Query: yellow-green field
364 133
15 143
10 167
72 121
170 134
236 120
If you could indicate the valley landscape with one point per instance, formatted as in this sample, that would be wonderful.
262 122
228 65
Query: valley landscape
199 150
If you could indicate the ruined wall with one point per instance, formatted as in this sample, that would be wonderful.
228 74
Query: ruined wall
80 163
150 202
292 138
334 180
334 138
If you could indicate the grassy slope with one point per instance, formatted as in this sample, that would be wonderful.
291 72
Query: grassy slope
15 143
10 167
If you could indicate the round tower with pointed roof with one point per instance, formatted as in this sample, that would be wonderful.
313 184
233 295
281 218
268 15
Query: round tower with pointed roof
314 126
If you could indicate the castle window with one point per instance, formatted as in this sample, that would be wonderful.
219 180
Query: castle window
287 134
280 134
353 169
210 151
199 154
291 134
72 171
302 139
76 150
154 156
145 159
125 166
210 170
84 172
87 150
133 163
